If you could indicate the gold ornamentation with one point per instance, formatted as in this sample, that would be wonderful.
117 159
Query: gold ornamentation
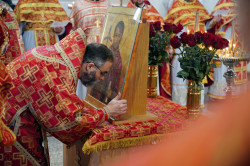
193 101
68 62
26 154
46 58
152 80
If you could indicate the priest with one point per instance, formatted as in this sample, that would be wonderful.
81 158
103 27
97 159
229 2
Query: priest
184 12
7 137
36 17
43 99
89 15
222 25
15 42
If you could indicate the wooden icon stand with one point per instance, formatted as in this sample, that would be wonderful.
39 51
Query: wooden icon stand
136 87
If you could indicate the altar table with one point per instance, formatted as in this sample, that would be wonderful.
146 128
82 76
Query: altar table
108 141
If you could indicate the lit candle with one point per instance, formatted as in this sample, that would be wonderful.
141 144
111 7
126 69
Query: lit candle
234 48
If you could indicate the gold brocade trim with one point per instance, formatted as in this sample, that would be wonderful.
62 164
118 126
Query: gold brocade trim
223 5
48 59
66 58
26 154
228 21
33 29
36 12
190 15
18 113
221 33
216 96
238 69
12 25
68 62
238 83
68 125
43 12
183 8
40 5
126 142
37 25
81 32
17 125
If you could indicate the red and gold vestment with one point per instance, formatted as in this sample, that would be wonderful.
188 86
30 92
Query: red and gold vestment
89 15
152 14
15 42
39 14
7 137
184 13
43 99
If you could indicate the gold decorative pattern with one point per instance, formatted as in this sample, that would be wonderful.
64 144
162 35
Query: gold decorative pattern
46 58
68 125
26 153
68 62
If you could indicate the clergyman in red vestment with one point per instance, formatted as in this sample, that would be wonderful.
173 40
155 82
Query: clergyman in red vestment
43 99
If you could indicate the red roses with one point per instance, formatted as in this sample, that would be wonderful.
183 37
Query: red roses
198 37
177 28
191 40
152 32
157 25
175 42
184 38
221 43
207 39
168 27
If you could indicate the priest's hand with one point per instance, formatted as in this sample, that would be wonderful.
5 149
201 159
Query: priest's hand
117 107
58 29
217 18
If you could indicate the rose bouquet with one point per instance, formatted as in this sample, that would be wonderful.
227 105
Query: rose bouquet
160 41
197 52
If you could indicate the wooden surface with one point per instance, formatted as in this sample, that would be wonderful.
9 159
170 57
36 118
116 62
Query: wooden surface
93 103
136 94
134 118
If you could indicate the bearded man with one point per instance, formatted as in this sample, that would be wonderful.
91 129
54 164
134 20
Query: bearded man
43 99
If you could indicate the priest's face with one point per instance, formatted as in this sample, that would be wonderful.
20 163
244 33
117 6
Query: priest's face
91 74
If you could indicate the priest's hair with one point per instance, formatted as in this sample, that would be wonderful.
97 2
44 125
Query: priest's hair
98 54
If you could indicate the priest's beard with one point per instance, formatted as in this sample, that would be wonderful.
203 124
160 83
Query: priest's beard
88 79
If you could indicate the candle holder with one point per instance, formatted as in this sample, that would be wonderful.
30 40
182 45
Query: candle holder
230 63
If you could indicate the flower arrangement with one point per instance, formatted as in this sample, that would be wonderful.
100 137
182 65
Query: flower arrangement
197 52
160 41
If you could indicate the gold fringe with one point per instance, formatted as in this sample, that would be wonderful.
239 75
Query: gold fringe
126 142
